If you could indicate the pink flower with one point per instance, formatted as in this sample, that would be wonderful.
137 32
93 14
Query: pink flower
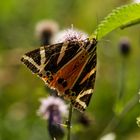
52 109
69 35
51 103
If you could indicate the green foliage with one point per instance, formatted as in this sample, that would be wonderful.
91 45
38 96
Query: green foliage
120 17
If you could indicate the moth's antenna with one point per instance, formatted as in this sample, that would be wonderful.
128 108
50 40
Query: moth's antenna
95 34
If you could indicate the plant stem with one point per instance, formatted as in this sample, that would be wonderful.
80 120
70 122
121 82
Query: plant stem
69 122
122 79
116 119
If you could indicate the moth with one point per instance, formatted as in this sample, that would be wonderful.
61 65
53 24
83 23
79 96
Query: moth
68 67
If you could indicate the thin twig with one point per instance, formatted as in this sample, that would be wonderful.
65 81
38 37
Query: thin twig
69 122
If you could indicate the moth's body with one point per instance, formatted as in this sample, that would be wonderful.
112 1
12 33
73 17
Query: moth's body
68 67
69 73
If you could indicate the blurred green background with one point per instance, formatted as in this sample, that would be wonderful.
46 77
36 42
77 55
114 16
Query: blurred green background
20 90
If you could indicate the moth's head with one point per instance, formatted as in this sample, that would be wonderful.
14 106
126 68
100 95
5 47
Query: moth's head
94 41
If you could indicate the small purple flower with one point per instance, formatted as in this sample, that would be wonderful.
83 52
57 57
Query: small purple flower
51 101
52 109
69 35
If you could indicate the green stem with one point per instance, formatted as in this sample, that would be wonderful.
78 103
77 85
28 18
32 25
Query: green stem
69 122
116 119
122 80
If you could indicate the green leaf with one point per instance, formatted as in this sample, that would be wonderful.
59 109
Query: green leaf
120 17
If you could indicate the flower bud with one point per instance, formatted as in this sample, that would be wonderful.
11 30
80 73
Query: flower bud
125 46
54 128
84 119
45 30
